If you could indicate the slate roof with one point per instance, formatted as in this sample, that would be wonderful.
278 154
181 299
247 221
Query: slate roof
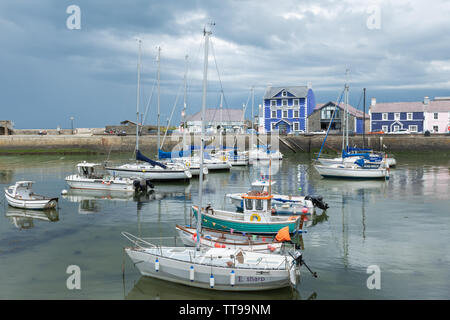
212 114
297 91
352 110
414 106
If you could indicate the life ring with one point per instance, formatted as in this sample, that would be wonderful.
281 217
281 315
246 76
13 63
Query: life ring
255 215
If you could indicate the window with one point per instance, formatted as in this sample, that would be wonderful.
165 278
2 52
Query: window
409 116
284 103
385 116
274 114
273 126
273 103
249 204
435 129
412 128
436 116
327 113
284 94
397 116
384 128
285 113
259 204
296 126
295 113
296 102
396 128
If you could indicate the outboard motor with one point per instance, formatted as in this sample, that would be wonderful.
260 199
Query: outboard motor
317 202
141 185
149 184
298 260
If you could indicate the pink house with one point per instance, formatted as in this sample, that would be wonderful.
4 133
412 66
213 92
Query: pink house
437 115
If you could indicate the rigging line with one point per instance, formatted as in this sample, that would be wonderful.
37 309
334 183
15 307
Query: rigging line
171 115
218 75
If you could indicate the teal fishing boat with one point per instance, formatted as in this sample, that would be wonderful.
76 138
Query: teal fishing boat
256 217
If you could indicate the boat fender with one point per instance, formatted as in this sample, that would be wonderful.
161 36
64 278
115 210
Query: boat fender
274 211
232 278
211 281
271 248
255 216
157 265
305 210
191 273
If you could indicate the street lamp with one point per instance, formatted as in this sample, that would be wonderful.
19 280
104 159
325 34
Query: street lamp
71 119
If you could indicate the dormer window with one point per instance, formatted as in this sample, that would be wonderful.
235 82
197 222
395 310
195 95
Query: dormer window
284 94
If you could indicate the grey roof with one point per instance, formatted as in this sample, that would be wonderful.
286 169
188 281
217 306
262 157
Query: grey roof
414 106
298 91
212 114
352 110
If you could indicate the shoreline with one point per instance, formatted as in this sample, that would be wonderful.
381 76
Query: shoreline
104 144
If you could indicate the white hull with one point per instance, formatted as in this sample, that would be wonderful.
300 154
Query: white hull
30 204
325 161
339 171
283 203
262 155
117 184
174 265
149 172
219 165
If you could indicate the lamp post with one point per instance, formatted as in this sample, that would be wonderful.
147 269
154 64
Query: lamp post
71 119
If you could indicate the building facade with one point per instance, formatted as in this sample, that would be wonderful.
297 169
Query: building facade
319 120
416 116
286 109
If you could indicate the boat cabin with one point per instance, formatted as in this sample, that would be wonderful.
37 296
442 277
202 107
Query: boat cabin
87 170
262 185
21 190
256 205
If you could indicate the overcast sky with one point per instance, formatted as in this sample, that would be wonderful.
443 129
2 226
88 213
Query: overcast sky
399 50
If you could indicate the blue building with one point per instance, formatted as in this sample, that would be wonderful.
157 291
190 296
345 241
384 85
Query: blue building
393 116
286 109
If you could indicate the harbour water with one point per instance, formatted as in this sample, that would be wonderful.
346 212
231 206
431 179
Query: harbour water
401 226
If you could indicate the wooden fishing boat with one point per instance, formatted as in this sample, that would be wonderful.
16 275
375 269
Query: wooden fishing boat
21 195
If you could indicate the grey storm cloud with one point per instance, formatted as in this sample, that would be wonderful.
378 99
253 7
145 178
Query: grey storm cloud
50 73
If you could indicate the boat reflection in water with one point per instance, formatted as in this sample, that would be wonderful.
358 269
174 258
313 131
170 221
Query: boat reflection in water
148 288
24 218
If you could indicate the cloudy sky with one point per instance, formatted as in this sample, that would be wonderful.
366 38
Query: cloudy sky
398 50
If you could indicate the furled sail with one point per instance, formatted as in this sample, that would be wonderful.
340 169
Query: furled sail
141 157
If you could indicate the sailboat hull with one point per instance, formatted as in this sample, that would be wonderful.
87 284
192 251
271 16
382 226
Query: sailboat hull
151 173
175 269
337 171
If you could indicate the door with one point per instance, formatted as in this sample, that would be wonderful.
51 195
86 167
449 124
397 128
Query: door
283 128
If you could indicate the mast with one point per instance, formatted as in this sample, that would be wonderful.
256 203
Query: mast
184 104
364 119
138 94
202 142
220 121
253 117
159 56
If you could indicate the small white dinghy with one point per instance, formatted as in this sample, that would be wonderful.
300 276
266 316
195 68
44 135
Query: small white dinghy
21 195
215 268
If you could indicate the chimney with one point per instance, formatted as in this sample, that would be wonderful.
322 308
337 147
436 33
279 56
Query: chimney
373 102
309 85
426 100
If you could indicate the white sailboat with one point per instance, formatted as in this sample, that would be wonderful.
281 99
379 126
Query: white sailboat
357 168
145 167
213 268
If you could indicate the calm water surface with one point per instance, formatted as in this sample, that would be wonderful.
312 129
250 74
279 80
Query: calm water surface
401 226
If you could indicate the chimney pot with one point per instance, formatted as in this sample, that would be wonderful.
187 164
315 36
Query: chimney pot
373 101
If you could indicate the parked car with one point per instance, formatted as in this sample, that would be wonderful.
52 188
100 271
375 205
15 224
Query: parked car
122 133
42 132
376 132
400 131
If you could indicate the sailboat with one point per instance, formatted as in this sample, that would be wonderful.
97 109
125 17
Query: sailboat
360 166
145 167
213 268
